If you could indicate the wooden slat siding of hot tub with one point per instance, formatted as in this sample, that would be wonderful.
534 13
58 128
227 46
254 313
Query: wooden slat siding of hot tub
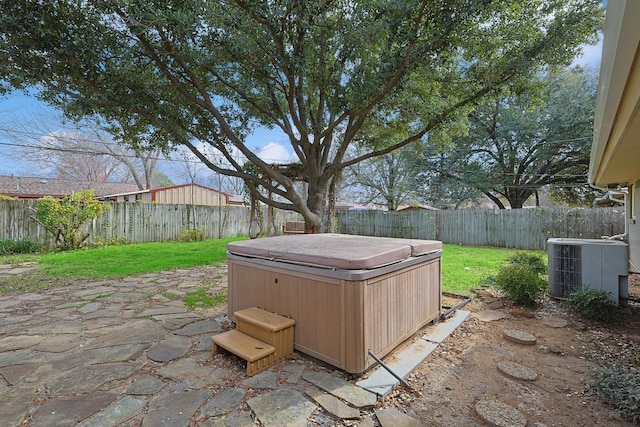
318 325
398 305
338 327
354 352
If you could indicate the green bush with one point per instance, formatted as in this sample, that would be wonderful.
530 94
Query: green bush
535 262
193 234
521 283
594 304
22 246
101 242
67 218
619 386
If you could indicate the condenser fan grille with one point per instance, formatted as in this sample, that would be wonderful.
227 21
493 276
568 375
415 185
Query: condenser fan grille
567 274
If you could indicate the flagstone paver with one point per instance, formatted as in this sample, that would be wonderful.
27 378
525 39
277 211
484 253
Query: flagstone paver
86 379
208 326
282 407
19 342
20 357
59 343
146 384
353 394
175 409
190 371
237 420
394 418
120 352
264 379
294 373
116 414
136 332
70 410
334 405
171 347
16 402
224 403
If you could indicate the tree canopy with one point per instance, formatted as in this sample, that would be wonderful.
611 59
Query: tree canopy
518 143
322 72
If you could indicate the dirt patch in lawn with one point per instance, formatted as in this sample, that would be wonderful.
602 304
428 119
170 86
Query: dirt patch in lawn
464 369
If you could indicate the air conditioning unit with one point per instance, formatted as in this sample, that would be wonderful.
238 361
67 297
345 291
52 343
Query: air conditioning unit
591 263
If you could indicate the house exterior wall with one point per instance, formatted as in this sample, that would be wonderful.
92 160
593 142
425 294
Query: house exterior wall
189 195
632 209
132 198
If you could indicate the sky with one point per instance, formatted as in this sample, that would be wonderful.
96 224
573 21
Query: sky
27 113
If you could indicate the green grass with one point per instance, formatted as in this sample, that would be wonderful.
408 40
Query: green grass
201 298
125 260
465 267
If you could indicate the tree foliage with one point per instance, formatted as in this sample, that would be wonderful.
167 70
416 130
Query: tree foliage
520 142
321 72
66 218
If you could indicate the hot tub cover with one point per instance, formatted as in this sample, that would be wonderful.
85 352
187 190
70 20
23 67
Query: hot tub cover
339 251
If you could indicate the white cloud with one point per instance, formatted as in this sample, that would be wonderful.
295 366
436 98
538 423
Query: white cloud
276 153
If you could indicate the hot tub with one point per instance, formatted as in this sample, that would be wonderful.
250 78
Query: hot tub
347 294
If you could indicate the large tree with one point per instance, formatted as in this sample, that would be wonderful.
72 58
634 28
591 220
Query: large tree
385 179
518 143
319 71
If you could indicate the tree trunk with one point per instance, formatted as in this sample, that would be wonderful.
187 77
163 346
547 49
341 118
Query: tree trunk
316 201
331 208
495 200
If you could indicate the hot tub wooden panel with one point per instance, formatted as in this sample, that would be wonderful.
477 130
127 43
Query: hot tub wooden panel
338 320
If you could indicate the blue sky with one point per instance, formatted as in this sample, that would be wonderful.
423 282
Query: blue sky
26 113
20 110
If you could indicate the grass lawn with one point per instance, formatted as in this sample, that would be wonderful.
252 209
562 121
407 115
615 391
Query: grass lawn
125 260
463 267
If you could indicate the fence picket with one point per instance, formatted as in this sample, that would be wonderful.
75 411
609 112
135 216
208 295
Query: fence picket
517 228
511 228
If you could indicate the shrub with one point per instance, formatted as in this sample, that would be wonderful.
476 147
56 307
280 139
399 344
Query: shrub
22 246
193 234
533 261
594 304
619 386
67 217
521 283
100 242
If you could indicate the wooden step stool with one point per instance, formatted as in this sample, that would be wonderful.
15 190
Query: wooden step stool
261 338
259 355
270 328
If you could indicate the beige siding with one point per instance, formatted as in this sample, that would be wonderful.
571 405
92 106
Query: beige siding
633 208
189 195
311 301
399 304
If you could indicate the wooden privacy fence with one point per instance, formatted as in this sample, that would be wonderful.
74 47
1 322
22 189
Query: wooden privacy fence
137 223
517 228
509 228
